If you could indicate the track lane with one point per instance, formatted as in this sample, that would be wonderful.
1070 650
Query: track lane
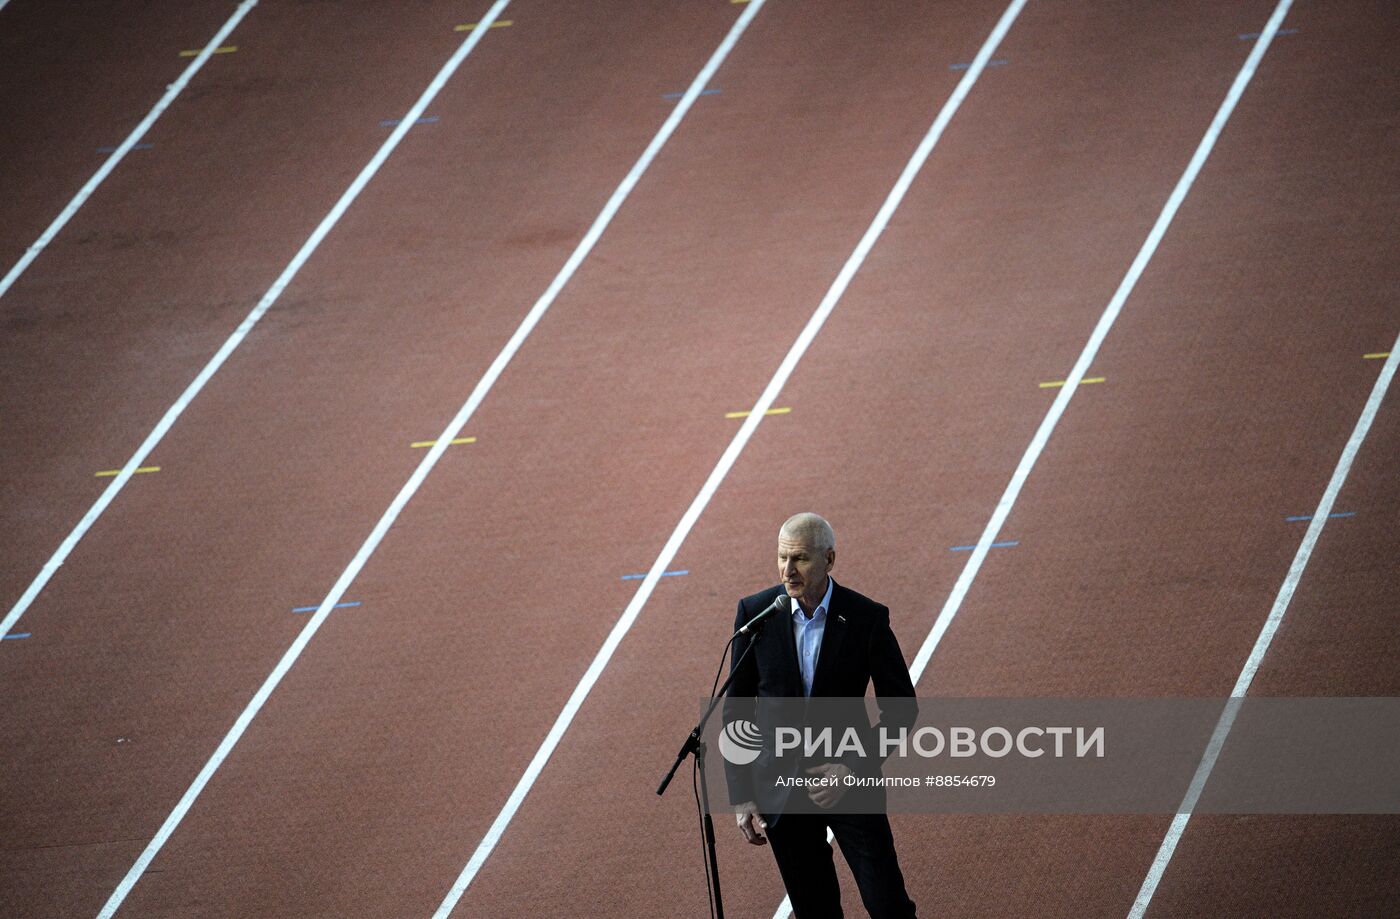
1315 896
75 83
1335 639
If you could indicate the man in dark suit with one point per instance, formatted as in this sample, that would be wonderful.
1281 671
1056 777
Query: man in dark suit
834 643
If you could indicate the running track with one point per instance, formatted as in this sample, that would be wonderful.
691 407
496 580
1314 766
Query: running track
1151 533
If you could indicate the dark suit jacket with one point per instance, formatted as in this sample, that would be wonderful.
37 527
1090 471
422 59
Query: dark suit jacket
858 648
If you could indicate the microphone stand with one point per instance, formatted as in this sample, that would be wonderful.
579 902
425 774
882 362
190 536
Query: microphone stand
694 745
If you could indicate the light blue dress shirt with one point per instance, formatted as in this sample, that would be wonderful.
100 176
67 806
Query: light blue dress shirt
807 633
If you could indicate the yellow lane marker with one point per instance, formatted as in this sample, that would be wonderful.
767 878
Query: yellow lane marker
1376 356
428 443
1056 384
498 24
195 52
107 473
771 411
738 1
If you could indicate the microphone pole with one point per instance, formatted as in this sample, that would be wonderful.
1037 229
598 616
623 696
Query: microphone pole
695 746
753 627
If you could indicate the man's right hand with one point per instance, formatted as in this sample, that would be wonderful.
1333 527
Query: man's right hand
751 823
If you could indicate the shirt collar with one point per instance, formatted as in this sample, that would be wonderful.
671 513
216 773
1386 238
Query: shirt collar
822 608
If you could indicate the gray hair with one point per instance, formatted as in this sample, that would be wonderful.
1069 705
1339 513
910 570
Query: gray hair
811 529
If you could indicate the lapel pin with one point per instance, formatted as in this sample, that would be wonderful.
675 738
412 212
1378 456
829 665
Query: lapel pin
840 618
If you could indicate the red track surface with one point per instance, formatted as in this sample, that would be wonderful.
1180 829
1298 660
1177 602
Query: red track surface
1151 534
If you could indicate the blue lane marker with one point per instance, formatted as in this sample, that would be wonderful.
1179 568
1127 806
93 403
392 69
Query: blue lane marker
134 147
703 92
1248 36
664 574
16 635
426 119
312 609
1310 516
997 63
995 545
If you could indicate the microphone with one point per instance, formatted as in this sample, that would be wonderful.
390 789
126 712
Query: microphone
781 605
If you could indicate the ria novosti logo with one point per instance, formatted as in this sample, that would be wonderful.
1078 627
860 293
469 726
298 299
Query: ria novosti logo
740 742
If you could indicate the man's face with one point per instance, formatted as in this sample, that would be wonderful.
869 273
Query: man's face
802 569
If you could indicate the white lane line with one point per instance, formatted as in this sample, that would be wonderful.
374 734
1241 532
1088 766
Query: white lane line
731 453
117 484
561 724
1091 348
1266 637
979 63
120 153
138 458
444 440
1081 366
173 820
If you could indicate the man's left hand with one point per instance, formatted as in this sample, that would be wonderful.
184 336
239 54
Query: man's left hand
826 795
